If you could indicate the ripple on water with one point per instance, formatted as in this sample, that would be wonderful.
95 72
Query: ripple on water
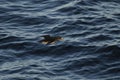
90 49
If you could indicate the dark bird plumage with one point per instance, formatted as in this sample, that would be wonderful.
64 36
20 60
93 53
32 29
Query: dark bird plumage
50 39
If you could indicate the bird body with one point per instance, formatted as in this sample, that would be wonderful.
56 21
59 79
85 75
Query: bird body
50 40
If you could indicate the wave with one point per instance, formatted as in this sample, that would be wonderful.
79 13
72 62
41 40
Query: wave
90 49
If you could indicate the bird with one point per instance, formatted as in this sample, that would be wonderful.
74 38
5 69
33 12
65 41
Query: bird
50 39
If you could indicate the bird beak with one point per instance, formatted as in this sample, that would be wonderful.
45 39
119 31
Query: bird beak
62 39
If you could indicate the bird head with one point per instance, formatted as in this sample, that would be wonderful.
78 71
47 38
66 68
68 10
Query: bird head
59 38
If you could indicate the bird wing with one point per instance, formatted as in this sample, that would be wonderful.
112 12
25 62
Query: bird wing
46 36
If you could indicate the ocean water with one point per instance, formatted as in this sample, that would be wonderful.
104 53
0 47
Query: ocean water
90 49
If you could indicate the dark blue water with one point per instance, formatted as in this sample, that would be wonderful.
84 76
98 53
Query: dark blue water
90 49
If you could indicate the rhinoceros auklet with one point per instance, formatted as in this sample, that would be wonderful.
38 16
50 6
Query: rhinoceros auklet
50 39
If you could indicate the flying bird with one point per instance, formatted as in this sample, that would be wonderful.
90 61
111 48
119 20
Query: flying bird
50 39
